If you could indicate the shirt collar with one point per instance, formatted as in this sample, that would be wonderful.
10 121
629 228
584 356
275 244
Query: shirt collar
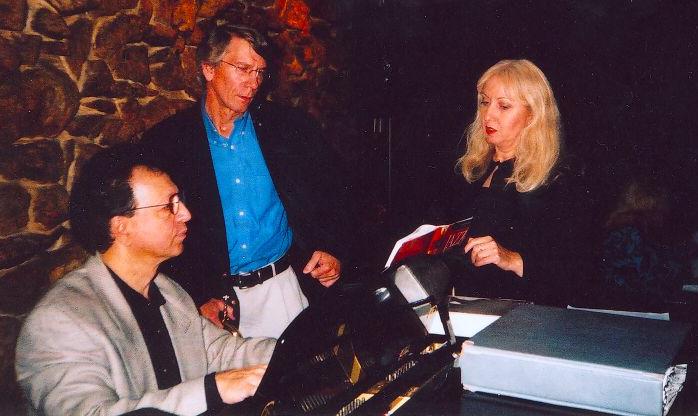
133 297
238 121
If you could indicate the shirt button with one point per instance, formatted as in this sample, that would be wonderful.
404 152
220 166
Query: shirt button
241 213
244 246
232 146
237 180
164 370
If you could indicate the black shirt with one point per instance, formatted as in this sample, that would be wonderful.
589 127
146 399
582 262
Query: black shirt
543 226
154 331
157 339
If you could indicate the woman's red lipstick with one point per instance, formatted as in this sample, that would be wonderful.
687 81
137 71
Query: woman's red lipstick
490 130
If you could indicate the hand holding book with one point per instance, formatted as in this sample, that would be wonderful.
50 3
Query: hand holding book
430 239
485 250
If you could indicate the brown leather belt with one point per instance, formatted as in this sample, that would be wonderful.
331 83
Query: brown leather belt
259 276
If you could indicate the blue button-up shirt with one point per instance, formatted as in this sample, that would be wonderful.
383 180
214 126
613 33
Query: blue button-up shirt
256 226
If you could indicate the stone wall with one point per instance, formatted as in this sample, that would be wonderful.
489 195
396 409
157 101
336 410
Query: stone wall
79 75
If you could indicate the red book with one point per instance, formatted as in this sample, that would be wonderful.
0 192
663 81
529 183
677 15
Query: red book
430 239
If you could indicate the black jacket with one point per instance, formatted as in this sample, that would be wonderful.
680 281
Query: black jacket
306 173
545 226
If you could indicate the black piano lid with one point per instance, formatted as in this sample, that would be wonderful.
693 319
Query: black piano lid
334 352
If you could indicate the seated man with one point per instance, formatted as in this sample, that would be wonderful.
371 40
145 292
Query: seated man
115 335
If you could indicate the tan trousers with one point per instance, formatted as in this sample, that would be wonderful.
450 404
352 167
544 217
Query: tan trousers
267 309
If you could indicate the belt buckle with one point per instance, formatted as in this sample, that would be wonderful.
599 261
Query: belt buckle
257 279
240 280
249 279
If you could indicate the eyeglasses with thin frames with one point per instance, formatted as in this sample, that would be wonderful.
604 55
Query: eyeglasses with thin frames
173 205
259 74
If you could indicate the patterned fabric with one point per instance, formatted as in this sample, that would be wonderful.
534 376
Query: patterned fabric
639 266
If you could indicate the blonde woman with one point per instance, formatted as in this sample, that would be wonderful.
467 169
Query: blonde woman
519 245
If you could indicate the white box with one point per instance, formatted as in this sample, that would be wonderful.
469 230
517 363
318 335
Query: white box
609 363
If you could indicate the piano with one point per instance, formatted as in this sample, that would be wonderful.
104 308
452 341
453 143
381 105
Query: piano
361 351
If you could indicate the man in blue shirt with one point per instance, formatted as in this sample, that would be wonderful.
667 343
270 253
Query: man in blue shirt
262 188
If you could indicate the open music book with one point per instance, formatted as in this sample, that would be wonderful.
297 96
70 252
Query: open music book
430 239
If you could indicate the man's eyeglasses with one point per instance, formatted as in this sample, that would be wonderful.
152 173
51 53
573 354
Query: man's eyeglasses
173 205
259 74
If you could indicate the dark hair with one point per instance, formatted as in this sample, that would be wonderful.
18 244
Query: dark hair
102 191
219 35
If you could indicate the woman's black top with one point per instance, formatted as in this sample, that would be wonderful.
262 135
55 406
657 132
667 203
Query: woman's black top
544 226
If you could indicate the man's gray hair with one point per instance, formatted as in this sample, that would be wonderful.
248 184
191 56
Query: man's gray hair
212 47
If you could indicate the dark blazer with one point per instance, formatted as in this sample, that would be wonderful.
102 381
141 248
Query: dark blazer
307 175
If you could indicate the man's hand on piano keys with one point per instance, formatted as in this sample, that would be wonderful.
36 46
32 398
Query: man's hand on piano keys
236 385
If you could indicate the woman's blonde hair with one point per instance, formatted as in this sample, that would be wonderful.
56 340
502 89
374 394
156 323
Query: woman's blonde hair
538 147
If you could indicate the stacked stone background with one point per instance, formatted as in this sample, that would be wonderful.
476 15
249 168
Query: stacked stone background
79 75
